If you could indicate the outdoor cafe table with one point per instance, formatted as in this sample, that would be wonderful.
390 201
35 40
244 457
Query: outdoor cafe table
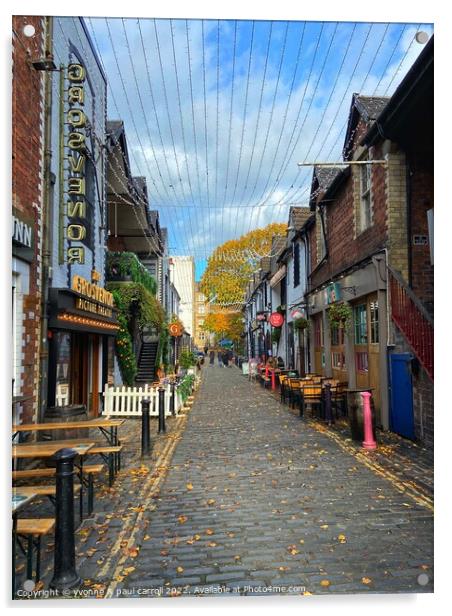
47 449
108 427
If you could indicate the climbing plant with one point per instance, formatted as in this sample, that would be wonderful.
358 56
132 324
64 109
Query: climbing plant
126 264
133 301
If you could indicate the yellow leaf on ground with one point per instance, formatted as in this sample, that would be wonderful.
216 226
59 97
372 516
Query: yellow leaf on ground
211 501
366 580
324 526
325 583
182 519
237 557
189 486
180 569
211 544
146 537
209 531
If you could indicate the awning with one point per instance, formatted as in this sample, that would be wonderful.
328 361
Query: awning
278 276
72 311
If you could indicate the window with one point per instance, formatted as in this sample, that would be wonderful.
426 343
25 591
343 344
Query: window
374 324
360 319
296 264
365 197
337 336
362 361
200 321
338 361
201 309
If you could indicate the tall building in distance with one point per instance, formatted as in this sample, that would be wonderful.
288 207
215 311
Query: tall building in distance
202 307
182 275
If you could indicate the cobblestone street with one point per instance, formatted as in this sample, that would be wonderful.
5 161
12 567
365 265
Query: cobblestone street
256 498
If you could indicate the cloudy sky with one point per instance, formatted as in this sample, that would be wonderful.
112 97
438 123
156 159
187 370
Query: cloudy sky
218 113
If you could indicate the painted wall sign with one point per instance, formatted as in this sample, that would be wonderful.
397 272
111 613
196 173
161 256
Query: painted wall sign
22 233
298 313
276 319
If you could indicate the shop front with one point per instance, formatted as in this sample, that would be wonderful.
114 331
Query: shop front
82 329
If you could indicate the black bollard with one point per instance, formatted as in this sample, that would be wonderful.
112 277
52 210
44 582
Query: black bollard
162 427
328 415
65 575
145 429
173 399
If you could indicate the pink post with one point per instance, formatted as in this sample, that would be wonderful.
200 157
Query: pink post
273 379
369 441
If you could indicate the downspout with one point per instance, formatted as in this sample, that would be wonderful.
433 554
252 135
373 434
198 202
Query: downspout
409 173
47 226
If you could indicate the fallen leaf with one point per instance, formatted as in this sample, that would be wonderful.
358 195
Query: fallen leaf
231 534
324 526
182 519
237 557
209 531
197 537
212 544
211 501
180 569
146 537
164 552
325 583
133 552
366 580
189 486
128 570
302 541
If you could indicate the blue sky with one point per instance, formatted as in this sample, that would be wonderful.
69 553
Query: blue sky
217 125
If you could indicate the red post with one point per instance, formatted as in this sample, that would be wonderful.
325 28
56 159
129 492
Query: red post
369 441
273 379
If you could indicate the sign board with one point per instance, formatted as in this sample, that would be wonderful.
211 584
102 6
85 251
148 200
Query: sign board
175 329
276 319
333 292
298 313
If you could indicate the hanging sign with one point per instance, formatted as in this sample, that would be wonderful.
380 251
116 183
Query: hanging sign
333 292
298 313
175 329
276 319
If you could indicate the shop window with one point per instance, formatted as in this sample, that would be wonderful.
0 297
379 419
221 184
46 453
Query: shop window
337 336
365 197
360 320
338 361
362 361
63 358
374 323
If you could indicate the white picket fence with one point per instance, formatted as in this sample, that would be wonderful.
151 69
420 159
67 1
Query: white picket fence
126 401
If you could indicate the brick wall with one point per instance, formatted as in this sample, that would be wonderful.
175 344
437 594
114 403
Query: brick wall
27 193
422 194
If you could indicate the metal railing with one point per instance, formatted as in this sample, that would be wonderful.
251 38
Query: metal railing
413 320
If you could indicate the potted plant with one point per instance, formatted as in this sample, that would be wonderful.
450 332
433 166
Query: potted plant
301 323
340 314
276 334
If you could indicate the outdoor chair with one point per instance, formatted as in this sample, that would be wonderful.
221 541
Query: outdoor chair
312 395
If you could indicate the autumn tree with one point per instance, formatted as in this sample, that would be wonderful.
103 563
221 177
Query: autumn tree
231 265
224 323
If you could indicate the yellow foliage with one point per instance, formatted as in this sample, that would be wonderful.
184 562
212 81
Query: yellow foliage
230 266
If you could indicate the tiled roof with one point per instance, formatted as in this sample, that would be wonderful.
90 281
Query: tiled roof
370 107
299 216
326 176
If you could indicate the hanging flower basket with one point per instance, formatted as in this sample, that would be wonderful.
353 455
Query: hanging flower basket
340 315
276 334
301 323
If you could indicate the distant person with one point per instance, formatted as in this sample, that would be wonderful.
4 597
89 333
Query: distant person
212 357
220 359
206 348
225 359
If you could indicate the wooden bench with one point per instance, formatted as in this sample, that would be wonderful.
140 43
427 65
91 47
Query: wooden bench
33 530
89 470
112 456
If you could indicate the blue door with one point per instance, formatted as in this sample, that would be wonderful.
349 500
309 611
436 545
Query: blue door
402 417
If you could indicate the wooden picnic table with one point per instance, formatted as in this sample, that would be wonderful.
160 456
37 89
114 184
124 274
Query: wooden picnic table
108 427
47 449
19 498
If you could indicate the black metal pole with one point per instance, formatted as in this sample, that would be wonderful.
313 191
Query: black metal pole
65 575
328 415
162 427
173 399
145 429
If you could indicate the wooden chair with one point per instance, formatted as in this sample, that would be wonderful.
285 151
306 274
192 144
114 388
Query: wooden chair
283 388
312 395
295 386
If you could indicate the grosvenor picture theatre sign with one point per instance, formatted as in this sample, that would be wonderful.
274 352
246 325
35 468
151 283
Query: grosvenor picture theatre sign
75 229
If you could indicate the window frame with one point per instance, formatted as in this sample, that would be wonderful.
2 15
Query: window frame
365 196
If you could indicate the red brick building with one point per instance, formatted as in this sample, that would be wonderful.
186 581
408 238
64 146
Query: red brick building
27 204
371 249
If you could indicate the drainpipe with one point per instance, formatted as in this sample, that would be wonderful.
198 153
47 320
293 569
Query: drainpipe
409 172
47 226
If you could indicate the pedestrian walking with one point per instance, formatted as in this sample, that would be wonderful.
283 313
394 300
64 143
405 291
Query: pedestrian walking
225 359
220 359
212 357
